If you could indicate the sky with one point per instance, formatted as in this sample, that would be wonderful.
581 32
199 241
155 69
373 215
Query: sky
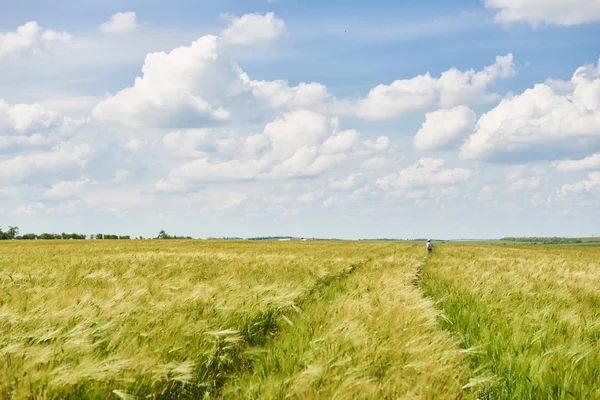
345 118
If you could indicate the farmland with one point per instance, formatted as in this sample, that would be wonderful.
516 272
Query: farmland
188 319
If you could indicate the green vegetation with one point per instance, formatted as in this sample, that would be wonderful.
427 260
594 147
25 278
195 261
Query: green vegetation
13 234
164 235
191 319
528 318
564 241
552 240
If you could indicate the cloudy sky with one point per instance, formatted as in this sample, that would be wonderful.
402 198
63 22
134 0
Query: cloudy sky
343 118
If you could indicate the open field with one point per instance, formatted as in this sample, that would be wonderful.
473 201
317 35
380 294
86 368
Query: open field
188 319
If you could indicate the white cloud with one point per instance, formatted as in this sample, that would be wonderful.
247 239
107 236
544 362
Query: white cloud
66 189
253 29
198 86
380 144
328 202
134 144
63 156
426 172
220 198
190 142
122 175
26 118
306 198
279 95
300 144
586 164
375 163
30 38
340 142
178 89
34 140
540 199
551 12
486 194
524 184
540 121
444 127
349 183
121 22
425 92
31 209
581 187
8 191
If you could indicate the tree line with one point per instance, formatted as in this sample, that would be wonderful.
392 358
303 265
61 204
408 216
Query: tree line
12 233
544 240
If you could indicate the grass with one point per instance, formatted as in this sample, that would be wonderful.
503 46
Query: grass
345 320
528 317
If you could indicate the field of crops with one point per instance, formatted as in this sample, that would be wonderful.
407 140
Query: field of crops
191 319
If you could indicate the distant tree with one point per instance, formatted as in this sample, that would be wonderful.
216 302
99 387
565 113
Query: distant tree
162 235
13 231
10 234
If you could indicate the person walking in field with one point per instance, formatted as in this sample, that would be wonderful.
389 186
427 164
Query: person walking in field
429 246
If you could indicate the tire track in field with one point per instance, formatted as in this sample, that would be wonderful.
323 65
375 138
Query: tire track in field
256 331
418 282
366 334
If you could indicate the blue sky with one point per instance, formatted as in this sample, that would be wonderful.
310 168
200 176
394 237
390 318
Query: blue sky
347 119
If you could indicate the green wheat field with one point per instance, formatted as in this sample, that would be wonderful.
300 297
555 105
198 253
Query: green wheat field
159 319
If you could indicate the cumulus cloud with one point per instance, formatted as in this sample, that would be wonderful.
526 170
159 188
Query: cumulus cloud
27 118
20 141
541 123
299 144
279 95
252 29
586 164
30 38
121 22
133 144
486 194
340 143
181 88
375 163
380 144
425 92
66 189
550 12
31 209
581 187
524 184
425 173
191 142
306 198
8 191
61 157
345 184
443 128
122 175
198 86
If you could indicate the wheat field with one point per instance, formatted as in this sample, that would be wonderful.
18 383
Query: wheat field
183 319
